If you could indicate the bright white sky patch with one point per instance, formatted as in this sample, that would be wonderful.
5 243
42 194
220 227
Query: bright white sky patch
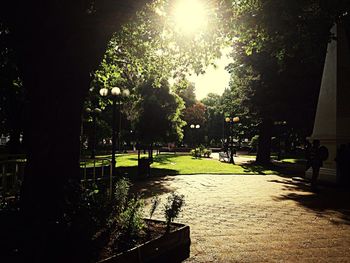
190 16
215 80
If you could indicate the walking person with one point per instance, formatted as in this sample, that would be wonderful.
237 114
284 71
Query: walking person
317 156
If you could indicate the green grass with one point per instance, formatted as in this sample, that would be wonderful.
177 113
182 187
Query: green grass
288 159
294 160
172 164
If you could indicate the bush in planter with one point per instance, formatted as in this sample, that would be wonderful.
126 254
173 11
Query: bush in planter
155 202
130 223
120 195
116 224
173 208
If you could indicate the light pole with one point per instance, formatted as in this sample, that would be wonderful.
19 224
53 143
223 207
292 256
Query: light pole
93 114
230 121
116 95
195 126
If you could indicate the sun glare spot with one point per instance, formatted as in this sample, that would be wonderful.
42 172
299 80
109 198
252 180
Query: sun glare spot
190 16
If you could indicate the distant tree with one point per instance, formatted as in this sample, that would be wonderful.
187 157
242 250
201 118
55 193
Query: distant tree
279 51
186 91
195 115
215 118
156 114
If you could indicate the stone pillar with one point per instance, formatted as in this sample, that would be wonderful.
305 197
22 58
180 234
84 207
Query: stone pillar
332 121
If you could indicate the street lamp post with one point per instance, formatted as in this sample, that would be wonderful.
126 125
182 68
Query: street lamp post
94 114
195 126
116 95
230 121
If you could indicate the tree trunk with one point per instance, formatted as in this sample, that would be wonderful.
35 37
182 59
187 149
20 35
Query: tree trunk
59 44
264 145
52 174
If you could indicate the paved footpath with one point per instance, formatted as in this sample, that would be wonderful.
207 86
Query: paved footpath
255 218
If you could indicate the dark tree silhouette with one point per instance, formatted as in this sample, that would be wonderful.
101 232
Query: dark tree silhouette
58 44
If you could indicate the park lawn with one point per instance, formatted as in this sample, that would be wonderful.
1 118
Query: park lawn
294 160
185 164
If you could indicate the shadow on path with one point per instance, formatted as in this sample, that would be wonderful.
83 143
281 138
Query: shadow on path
326 199
279 168
152 186
131 172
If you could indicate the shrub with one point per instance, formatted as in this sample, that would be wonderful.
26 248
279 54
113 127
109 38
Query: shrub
130 222
173 208
121 192
201 152
155 202
196 153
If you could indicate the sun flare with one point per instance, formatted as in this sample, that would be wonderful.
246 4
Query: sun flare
190 16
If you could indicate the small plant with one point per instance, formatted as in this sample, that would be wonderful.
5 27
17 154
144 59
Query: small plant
131 221
121 192
155 202
173 208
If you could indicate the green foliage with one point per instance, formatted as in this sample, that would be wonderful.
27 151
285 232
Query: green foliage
157 114
95 204
155 202
186 91
279 51
149 47
149 50
201 152
130 222
196 153
215 118
173 208
121 192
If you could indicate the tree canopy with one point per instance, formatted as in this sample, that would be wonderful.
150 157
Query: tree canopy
156 114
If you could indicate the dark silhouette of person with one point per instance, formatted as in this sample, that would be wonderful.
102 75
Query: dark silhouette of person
307 151
316 162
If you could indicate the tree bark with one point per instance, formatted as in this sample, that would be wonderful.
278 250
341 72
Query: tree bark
264 144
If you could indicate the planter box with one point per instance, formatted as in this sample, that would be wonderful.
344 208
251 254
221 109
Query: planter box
172 247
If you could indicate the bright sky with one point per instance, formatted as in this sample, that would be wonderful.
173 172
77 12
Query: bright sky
215 80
